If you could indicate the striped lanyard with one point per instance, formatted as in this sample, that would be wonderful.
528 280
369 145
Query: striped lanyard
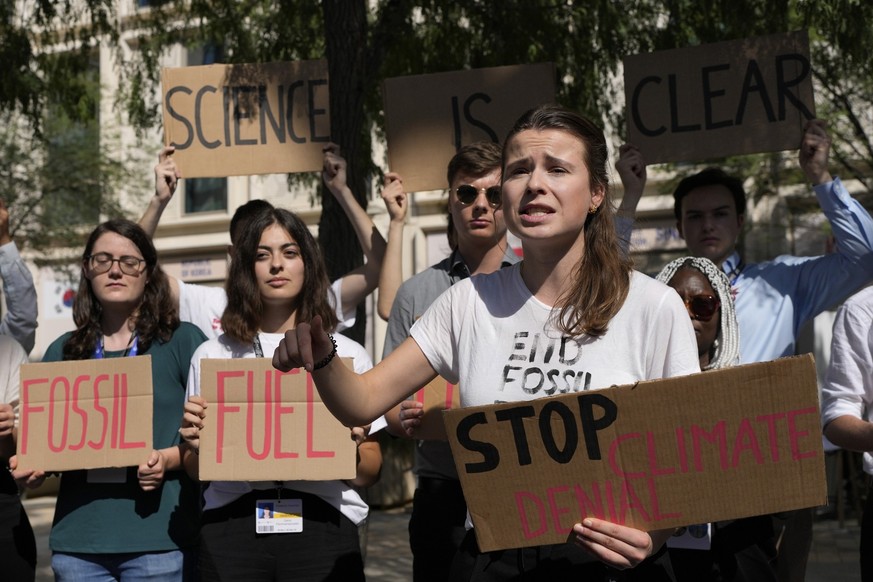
132 348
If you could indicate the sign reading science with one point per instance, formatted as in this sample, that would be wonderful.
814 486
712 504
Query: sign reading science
428 117
738 97
234 120
659 454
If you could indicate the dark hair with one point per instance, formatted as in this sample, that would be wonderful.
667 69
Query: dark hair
156 317
710 177
244 214
476 159
241 319
602 278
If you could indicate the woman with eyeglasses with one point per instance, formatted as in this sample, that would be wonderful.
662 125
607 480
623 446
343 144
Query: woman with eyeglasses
276 279
739 550
573 306
706 292
134 523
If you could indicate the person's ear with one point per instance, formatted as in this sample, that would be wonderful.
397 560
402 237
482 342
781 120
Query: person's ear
679 228
741 219
598 195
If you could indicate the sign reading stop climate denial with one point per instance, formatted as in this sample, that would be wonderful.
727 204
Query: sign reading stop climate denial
658 454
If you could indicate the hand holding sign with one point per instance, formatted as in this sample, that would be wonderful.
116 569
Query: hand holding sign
30 478
7 420
151 473
619 546
394 197
192 422
631 168
814 149
411 415
166 175
334 170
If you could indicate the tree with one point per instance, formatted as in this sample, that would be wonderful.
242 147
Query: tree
366 42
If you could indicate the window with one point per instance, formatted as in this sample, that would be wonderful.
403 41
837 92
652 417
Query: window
205 194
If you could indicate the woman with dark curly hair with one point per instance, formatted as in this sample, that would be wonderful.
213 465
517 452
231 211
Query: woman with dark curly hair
134 522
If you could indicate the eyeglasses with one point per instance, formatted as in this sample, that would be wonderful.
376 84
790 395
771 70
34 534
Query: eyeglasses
102 262
701 307
467 194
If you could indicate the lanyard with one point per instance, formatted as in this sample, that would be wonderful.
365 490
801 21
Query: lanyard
132 348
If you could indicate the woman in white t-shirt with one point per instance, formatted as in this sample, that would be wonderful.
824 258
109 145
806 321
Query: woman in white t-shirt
276 279
573 315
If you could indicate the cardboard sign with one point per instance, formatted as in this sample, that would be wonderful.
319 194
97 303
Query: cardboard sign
428 117
722 99
267 425
86 414
436 396
234 120
667 453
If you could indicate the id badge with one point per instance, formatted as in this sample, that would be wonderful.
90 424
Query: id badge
693 537
110 475
278 516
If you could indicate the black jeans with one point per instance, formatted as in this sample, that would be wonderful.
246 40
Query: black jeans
326 550
436 528
550 563
867 538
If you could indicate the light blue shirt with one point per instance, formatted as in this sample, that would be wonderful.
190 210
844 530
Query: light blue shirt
775 298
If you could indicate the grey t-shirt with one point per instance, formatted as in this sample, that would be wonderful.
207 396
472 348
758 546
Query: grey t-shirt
432 458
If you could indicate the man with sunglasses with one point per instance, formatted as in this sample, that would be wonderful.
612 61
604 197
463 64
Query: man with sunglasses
477 236
775 298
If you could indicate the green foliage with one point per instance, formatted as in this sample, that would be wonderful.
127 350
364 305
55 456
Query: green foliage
585 39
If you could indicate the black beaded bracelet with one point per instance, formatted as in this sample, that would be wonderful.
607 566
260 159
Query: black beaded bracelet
326 360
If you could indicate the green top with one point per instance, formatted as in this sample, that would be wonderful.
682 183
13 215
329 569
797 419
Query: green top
112 518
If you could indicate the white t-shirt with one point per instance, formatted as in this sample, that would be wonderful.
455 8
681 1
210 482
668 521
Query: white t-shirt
203 306
339 494
490 335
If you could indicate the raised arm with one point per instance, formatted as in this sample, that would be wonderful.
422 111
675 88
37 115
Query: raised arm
20 320
391 275
360 282
355 400
631 168
815 148
166 179
827 280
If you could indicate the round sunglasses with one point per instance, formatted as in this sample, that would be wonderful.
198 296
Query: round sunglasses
467 194
701 307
